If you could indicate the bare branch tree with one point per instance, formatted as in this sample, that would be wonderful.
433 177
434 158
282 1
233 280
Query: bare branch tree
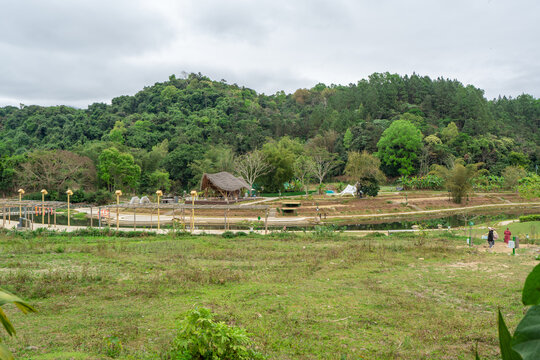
251 166
303 170
56 170
323 163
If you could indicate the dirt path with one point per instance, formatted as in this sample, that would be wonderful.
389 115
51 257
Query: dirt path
447 210
145 219
259 201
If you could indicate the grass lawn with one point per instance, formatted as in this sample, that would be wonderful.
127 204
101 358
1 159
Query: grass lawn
325 296
531 228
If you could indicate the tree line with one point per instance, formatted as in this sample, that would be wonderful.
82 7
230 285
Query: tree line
168 134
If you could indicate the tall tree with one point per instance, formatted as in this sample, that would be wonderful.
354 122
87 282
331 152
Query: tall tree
303 170
322 163
399 148
364 169
281 156
458 179
118 169
252 166
56 170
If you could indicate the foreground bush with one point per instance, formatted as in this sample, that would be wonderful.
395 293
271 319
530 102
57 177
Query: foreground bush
524 344
8 298
200 337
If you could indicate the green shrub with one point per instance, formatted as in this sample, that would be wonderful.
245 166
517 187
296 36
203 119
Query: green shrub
228 235
368 187
78 196
201 337
100 197
527 218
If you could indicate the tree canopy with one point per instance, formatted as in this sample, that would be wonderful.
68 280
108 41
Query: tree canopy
399 148
171 127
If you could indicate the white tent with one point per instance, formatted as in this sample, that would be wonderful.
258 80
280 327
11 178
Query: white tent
145 200
134 200
349 190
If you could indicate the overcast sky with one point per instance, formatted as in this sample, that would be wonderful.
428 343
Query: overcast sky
80 52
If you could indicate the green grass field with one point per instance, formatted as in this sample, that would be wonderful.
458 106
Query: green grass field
325 296
521 230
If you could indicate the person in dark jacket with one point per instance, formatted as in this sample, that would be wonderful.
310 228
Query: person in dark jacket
491 240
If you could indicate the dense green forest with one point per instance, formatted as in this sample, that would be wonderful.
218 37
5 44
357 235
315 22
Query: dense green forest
168 134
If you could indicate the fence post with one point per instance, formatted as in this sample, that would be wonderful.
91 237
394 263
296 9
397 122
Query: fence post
91 217
99 217
266 222
134 218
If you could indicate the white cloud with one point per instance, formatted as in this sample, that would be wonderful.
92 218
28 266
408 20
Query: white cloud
75 53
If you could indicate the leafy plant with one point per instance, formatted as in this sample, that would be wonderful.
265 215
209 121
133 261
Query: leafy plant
484 182
524 344
8 298
529 187
201 337
113 346
428 182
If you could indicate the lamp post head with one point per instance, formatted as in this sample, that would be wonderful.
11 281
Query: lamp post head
193 192
118 192
69 192
159 193
44 192
20 191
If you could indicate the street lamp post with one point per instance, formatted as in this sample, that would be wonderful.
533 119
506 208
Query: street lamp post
69 193
118 194
159 193
43 193
193 195
21 193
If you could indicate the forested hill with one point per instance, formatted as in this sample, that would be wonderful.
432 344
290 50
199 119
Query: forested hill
188 117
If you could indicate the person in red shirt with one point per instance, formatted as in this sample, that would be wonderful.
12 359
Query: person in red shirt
507 235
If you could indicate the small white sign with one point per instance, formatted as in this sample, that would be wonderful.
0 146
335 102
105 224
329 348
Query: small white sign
511 244
468 241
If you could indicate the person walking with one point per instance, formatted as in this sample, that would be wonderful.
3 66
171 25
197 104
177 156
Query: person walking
507 235
491 239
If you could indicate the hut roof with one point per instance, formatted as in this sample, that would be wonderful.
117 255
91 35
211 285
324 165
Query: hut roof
223 181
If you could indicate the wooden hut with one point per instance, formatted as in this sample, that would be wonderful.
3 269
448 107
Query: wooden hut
225 184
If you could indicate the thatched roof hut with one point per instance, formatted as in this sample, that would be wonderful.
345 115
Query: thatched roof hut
224 183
